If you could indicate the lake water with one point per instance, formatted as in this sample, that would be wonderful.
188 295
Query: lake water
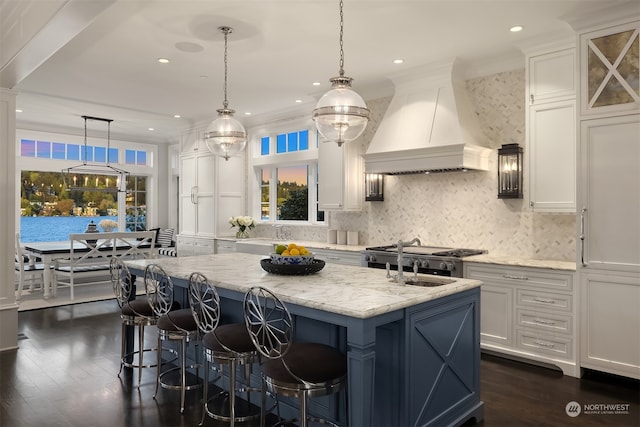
52 228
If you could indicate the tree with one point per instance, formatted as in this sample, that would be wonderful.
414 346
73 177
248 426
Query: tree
65 206
106 203
296 206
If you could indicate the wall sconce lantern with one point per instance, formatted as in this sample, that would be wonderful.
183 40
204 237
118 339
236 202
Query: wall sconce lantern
510 172
374 187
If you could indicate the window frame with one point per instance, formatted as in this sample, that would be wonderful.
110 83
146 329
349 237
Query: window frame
258 162
150 170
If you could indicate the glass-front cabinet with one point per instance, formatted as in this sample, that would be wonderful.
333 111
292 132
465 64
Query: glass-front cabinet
610 58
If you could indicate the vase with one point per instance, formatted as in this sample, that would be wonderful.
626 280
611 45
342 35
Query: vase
92 228
242 234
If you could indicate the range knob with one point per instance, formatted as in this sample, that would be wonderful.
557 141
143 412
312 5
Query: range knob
370 258
424 263
448 266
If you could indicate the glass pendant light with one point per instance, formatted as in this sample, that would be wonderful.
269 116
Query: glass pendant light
341 115
225 136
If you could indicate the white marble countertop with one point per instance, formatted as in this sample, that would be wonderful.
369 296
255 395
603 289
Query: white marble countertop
523 262
486 258
352 291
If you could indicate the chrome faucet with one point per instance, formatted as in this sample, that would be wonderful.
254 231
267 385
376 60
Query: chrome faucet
401 244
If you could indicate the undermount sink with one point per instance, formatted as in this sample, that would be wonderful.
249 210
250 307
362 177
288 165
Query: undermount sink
427 283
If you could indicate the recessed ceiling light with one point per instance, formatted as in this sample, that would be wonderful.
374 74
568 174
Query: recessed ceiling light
151 129
398 61
516 28
18 110
248 113
298 101
177 116
316 83
163 60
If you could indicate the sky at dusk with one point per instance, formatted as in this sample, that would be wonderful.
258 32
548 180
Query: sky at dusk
297 174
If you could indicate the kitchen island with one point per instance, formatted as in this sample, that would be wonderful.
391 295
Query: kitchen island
413 352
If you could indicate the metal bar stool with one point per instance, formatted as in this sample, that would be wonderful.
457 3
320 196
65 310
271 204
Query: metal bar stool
293 369
228 345
133 312
173 325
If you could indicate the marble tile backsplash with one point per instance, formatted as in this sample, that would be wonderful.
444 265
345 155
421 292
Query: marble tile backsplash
459 209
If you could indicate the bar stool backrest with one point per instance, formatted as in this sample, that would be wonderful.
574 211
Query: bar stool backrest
268 321
204 301
120 281
159 289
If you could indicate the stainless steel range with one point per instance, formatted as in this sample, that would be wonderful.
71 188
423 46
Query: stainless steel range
438 261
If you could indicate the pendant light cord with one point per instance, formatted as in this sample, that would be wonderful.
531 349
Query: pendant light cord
341 43
225 31
86 151
84 160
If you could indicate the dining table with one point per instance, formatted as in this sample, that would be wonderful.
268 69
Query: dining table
48 252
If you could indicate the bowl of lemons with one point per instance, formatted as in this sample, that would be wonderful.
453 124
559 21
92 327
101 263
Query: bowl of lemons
291 254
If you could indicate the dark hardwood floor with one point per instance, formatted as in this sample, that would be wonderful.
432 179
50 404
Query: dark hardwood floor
65 374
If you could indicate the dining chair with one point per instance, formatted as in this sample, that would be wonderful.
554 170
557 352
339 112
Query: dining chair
134 312
173 326
26 269
228 344
300 370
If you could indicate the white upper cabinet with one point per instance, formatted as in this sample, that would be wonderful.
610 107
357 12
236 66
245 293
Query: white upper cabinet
551 130
197 195
193 141
552 76
340 176
552 156
230 191
211 190
609 58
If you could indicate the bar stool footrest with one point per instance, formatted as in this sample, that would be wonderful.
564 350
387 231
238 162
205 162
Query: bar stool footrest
170 379
135 359
217 407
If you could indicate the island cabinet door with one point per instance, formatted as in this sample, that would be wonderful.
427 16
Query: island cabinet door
443 361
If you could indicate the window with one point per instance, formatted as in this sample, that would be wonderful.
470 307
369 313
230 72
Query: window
264 194
286 170
58 151
49 211
289 142
64 151
136 203
134 157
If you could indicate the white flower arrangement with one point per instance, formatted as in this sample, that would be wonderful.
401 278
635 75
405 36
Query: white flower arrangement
108 225
242 222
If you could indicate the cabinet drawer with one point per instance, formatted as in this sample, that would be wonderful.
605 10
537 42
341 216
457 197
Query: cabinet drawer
337 257
225 246
544 300
550 322
494 273
204 248
544 344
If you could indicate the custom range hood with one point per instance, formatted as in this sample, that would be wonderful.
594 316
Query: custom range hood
429 126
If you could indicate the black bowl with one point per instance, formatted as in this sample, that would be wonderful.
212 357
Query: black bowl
292 269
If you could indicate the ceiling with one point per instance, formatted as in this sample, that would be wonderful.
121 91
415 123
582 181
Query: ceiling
68 58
